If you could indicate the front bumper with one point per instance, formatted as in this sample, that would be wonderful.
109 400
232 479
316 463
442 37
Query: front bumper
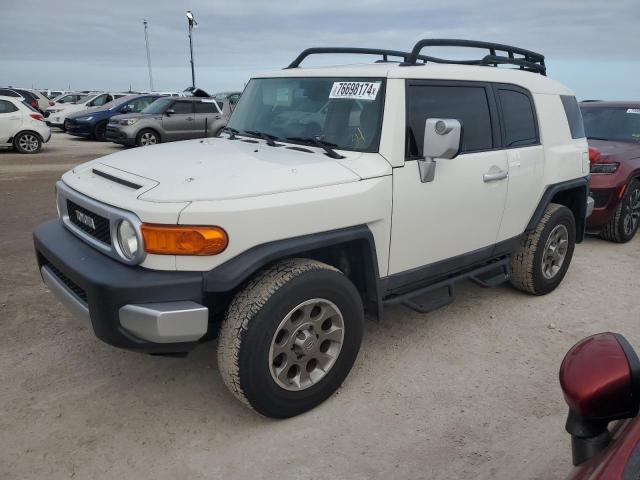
79 129
128 307
120 134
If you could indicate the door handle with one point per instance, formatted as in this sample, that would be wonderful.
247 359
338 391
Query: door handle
492 177
190 119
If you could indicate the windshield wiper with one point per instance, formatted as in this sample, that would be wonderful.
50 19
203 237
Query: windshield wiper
318 143
232 132
265 136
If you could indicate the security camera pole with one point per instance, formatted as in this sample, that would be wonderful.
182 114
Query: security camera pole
146 39
192 25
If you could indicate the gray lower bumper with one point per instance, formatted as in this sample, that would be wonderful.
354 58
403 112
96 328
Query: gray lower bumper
167 322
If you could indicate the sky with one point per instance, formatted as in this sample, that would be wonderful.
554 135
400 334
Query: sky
591 46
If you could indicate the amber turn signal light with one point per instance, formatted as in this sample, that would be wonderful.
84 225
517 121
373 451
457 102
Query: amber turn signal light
183 239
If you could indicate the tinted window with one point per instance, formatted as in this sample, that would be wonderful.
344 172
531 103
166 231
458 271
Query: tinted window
467 104
206 107
7 107
8 93
519 120
574 117
183 107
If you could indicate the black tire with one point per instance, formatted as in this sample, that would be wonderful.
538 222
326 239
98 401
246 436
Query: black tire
254 317
63 127
624 224
527 270
146 137
27 142
100 132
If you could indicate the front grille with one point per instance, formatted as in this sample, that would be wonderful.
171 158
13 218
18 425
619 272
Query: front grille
71 285
101 232
600 197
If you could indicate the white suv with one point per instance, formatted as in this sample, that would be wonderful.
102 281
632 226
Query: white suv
335 191
21 126
58 113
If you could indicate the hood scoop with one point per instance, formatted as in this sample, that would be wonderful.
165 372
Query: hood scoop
115 179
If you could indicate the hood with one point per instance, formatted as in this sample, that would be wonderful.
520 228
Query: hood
611 150
219 169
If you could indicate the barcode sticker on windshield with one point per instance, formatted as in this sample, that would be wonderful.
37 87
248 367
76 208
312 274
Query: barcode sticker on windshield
633 110
355 90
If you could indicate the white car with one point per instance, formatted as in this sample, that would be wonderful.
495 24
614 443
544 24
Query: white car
21 126
287 230
57 114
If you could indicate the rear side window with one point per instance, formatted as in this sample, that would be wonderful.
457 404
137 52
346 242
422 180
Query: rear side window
574 117
7 107
206 107
519 120
467 104
8 93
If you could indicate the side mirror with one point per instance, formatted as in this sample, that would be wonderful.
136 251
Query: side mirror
169 112
600 379
126 109
443 140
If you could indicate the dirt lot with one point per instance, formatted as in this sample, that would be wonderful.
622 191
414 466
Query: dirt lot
469 391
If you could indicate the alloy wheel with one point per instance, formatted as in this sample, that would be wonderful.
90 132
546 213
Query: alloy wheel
631 211
306 344
148 138
555 251
29 142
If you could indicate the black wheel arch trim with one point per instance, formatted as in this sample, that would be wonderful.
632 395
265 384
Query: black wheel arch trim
551 192
234 272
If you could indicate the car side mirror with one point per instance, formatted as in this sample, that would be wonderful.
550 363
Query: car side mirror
169 112
442 140
125 109
600 379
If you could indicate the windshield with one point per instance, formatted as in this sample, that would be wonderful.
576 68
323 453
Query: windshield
85 98
68 98
159 106
342 112
612 123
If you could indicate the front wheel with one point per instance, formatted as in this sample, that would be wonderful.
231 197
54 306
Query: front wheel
100 132
543 257
27 142
625 221
290 337
147 137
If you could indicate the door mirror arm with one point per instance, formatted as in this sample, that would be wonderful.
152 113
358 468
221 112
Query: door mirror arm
443 140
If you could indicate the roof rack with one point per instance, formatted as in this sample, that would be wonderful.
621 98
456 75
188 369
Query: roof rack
385 54
528 60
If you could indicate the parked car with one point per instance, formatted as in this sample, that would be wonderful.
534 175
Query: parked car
233 97
58 113
286 230
600 379
92 123
21 126
29 97
43 102
169 119
613 132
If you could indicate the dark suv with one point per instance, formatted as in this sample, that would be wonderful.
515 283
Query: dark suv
613 132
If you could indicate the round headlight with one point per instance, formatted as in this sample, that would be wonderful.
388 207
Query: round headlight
127 239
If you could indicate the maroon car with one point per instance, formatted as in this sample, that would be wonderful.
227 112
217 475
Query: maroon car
600 379
613 133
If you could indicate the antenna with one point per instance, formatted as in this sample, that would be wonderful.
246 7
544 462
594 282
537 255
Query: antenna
146 40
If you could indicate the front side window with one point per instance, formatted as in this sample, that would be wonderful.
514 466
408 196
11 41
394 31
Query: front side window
519 120
159 106
343 112
468 104
182 107
621 124
7 107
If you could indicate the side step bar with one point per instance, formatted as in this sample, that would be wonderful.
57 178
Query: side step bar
432 297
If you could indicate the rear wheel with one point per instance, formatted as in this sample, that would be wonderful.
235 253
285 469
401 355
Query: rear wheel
290 337
624 224
543 257
147 137
27 142
100 131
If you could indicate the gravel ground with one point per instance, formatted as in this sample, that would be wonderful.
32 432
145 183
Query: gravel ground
469 391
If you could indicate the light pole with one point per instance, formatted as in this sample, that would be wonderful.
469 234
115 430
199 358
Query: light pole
192 25
146 40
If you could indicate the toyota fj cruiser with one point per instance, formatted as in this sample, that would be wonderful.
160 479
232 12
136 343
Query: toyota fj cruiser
335 191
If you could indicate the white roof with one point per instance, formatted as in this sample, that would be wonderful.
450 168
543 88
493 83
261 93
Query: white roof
534 82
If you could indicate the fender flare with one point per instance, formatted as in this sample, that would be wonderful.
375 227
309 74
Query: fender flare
234 272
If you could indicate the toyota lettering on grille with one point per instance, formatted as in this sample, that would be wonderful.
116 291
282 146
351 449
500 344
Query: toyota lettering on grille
85 219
